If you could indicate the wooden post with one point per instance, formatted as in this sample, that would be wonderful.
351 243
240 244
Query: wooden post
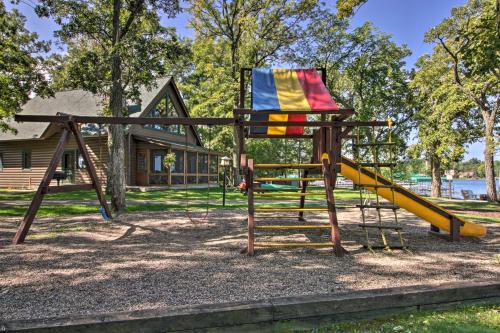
90 167
454 229
250 245
303 198
23 229
332 213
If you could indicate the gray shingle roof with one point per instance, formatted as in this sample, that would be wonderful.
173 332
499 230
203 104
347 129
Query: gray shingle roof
75 102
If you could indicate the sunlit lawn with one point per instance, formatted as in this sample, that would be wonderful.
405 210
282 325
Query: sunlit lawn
196 199
470 319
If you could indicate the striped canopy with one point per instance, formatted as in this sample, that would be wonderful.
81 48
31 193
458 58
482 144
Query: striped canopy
287 90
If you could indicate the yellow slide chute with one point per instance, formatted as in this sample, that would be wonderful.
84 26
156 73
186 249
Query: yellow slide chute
408 200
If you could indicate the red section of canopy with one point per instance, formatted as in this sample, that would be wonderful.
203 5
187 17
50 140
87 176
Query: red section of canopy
317 95
295 129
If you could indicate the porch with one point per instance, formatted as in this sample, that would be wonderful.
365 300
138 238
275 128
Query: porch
194 166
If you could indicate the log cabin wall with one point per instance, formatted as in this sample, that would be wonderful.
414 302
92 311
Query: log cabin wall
12 174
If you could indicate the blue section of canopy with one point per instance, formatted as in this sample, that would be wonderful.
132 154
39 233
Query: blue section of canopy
258 129
264 95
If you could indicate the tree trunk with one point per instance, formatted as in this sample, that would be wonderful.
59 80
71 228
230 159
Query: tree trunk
116 137
436 177
489 162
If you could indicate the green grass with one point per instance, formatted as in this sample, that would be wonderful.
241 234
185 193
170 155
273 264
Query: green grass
156 201
466 205
476 218
170 194
470 319
175 199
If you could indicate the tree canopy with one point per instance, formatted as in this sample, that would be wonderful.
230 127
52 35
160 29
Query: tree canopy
22 64
470 40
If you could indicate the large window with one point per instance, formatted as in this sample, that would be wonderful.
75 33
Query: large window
178 166
166 109
202 163
157 157
191 162
26 159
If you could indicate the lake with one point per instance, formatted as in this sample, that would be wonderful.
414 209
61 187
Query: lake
477 186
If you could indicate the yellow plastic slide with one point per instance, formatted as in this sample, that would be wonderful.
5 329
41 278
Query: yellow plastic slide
408 200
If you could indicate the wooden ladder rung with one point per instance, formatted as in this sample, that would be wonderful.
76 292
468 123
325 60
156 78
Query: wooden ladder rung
261 189
307 194
310 226
268 179
285 210
293 244
378 206
287 166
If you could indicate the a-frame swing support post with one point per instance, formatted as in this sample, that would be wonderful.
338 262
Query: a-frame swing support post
90 167
45 187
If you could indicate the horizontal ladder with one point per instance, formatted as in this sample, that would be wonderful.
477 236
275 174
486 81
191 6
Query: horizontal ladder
269 179
287 166
262 189
289 194
378 206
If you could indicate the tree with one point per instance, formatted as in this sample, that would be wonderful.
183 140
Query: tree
21 65
114 48
233 34
346 8
471 41
365 71
443 125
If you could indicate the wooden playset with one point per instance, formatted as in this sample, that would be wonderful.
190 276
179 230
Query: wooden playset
283 103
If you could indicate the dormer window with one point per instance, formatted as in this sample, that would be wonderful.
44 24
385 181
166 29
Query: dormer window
166 109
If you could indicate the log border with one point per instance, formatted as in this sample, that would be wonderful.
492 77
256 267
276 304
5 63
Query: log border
277 314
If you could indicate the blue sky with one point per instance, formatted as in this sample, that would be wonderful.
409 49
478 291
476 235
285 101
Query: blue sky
406 20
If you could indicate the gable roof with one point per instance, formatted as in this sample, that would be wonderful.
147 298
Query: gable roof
83 103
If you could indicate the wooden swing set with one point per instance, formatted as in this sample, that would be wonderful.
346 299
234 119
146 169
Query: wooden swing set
327 137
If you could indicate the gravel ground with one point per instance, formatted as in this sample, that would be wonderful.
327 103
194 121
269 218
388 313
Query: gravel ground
80 265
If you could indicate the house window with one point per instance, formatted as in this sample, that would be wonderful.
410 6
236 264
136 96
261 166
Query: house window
191 162
26 159
178 166
141 162
177 180
157 157
213 164
166 109
202 163
80 161
1 161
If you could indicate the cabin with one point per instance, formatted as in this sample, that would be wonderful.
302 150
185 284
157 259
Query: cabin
25 153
